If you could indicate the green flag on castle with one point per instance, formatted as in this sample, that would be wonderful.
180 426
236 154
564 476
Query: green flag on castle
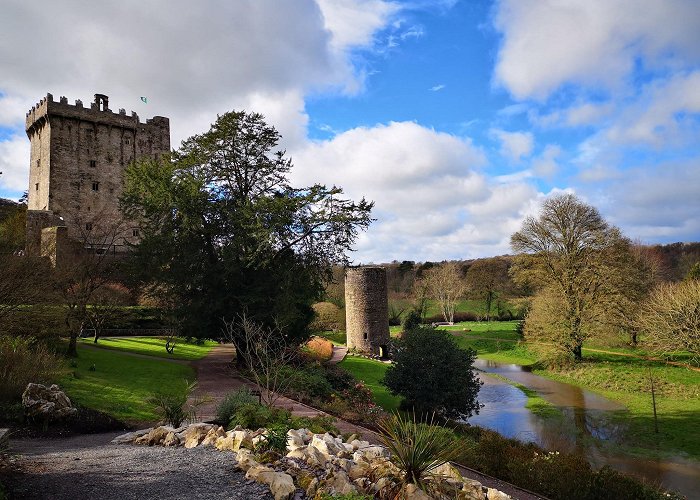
144 99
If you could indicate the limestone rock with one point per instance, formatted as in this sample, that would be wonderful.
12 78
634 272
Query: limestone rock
171 439
494 494
471 490
195 434
357 444
212 436
370 452
130 437
155 437
245 459
256 470
447 470
338 483
281 484
294 440
326 444
312 488
242 439
48 403
310 455
413 492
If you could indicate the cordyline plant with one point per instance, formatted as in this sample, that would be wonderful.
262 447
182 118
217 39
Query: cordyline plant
417 448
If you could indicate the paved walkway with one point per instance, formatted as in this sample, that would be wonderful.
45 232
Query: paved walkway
217 376
339 353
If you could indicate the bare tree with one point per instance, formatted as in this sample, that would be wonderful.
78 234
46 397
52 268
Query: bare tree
446 285
83 268
670 319
265 353
106 306
572 252
21 280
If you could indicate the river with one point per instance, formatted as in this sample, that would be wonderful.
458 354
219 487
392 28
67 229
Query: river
585 415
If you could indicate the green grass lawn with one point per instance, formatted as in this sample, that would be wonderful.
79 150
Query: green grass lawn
121 384
154 346
371 373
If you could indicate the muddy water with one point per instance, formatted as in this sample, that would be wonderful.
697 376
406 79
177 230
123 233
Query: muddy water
585 415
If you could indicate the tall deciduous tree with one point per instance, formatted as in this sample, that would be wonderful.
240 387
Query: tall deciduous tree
226 235
487 278
575 257
446 285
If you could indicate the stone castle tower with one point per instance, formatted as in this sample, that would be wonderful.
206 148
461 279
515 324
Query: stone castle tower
77 162
367 310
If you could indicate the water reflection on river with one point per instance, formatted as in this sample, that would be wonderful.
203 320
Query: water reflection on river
585 415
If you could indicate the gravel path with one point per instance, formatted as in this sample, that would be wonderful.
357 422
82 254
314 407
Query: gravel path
90 468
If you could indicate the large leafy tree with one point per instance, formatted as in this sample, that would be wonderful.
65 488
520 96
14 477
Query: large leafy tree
487 278
224 234
433 375
581 266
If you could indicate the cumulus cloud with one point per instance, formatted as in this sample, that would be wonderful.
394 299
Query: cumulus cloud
596 43
514 145
432 201
545 165
14 163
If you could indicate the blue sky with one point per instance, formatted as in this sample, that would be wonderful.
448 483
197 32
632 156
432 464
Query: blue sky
456 117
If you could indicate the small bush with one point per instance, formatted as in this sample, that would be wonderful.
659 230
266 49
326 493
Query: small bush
328 316
320 349
339 378
275 440
24 360
230 404
320 424
255 416
307 384
174 407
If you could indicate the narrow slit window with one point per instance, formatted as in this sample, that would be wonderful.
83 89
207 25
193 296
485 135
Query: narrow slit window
135 232
36 187
95 186
93 163
88 226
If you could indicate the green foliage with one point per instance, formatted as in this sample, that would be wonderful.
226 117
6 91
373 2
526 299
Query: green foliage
232 402
433 375
306 383
320 424
225 234
255 416
412 320
24 360
417 448
553 474
173 407
694 272
275 440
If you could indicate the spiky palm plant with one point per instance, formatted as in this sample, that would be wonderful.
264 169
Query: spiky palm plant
417 449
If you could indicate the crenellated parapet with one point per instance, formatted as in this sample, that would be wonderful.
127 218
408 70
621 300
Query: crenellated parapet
98 113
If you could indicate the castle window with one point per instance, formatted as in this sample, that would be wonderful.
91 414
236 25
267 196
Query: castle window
95 186
127 141
135 232
93 163
364 335
38 163
36 187
88 226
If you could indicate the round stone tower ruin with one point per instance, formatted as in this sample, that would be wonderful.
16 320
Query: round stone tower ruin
367 310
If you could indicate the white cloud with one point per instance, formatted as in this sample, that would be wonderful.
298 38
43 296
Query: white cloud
14 163
353 23
655 117
514 145
435 88
547 44
546 164
432 202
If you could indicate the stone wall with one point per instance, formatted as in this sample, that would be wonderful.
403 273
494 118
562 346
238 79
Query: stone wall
367 309
77 162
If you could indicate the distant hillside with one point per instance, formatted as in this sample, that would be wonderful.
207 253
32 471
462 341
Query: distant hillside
8 208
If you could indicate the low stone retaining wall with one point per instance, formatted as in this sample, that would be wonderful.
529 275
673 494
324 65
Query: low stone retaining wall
316 464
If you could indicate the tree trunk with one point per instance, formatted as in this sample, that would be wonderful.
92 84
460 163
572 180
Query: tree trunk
578 348
72 351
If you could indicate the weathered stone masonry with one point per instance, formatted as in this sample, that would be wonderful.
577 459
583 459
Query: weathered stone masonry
77 162
367 309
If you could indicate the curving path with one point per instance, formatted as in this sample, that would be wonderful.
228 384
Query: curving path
216 377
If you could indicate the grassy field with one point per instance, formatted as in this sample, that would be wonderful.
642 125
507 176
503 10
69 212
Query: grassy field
371 372
121 384
153 346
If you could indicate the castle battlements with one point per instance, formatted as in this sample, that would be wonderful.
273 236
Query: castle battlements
97 112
